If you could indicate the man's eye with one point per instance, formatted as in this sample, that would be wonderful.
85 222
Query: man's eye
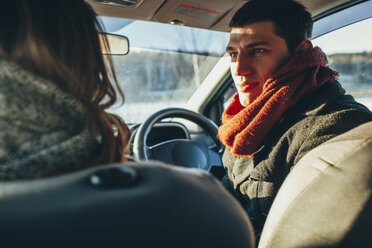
258 51
233 56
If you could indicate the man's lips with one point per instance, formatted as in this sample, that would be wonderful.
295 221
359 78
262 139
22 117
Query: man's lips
246 87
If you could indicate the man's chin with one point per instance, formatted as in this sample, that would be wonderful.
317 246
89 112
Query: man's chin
244 99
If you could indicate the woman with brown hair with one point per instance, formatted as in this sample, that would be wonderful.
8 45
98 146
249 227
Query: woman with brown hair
54 90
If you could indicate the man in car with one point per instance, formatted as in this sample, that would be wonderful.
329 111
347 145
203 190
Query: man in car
288 101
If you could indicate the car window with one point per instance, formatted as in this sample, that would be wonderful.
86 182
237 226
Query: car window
349 52
165 65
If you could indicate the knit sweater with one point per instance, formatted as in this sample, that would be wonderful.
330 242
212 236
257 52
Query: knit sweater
318 117
43 130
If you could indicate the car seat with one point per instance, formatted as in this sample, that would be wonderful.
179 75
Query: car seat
326 199
131 205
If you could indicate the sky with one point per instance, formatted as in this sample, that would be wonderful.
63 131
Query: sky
350 39
169 37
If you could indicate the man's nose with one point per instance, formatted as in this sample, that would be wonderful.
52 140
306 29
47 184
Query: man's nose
243 66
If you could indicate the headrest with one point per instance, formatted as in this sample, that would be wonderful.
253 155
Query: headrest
126 205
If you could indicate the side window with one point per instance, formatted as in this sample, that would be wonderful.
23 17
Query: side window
229 93
349 52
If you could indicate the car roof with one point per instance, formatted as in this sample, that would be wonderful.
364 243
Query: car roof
207 14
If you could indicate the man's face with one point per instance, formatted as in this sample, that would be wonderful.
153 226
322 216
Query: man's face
256 52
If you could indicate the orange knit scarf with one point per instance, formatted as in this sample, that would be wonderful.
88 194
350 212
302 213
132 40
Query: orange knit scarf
243 129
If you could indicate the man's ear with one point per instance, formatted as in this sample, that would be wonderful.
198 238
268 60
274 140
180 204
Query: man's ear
303 46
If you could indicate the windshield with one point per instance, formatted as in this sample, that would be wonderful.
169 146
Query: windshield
165 65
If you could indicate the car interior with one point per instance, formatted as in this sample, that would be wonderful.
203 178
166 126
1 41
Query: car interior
324 202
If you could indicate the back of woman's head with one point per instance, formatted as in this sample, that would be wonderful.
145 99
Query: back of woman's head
58 40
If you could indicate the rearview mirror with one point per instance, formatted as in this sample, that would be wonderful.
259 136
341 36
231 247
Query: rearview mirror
119 44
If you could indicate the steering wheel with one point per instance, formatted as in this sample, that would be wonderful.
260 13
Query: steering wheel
182 152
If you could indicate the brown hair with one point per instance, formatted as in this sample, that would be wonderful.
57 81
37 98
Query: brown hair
291 19
59 41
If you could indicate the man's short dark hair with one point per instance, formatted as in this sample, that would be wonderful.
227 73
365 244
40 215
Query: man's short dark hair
291 19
